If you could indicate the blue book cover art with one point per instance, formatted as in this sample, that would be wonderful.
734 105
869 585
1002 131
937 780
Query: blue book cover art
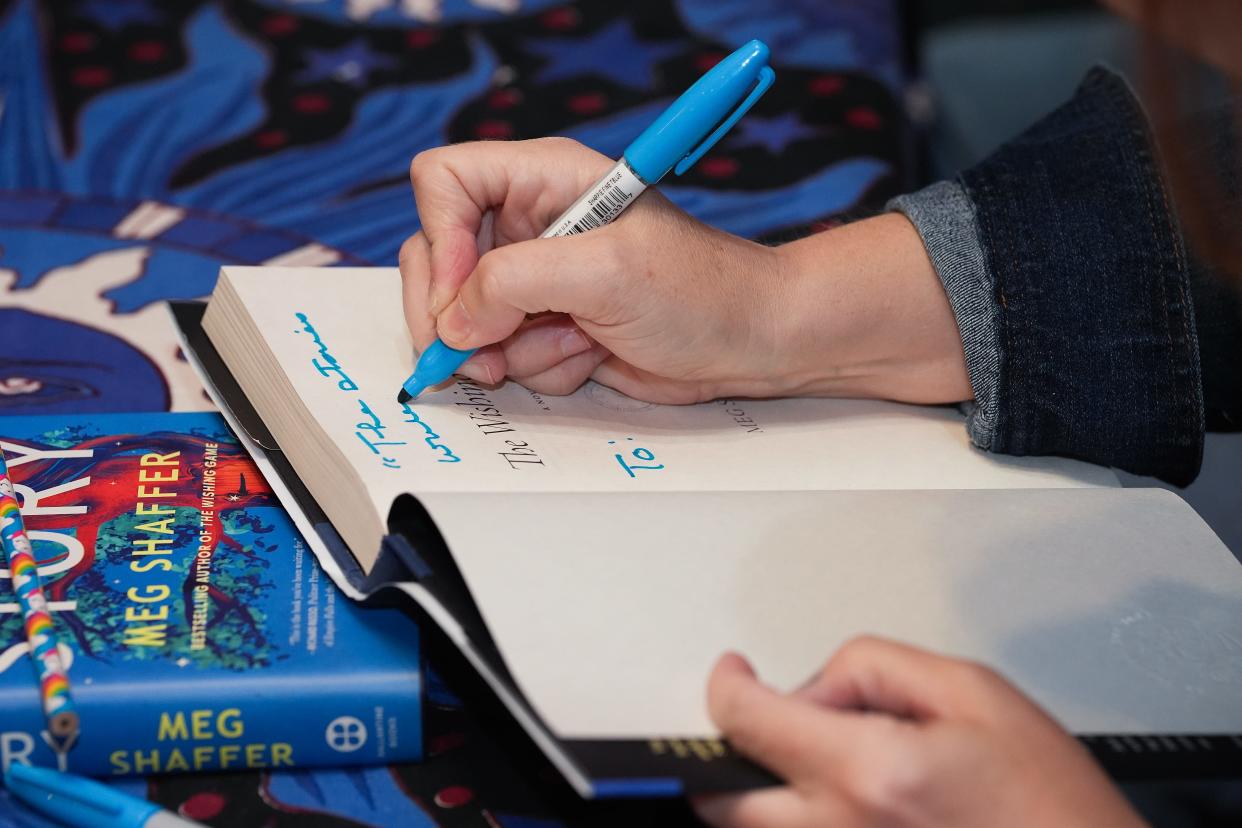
199 630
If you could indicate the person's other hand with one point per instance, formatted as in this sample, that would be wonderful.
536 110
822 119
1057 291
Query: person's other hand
890 735
658 305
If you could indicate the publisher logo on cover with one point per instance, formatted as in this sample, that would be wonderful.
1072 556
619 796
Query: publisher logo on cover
345 734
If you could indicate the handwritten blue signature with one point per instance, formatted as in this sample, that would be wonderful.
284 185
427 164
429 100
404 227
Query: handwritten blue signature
430 439
330 365
643 454
375 429
370 430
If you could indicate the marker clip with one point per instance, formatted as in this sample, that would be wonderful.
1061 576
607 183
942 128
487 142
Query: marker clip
766 77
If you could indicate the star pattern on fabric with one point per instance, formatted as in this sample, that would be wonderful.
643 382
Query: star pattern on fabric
613 51
773 134
352 63
115 15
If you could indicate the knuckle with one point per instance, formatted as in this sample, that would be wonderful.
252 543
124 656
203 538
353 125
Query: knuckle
865 642
889 787
852 659
979 676
558 384
423 162
568 153
409 251
559 144
989 694
489 277
417 165
858 648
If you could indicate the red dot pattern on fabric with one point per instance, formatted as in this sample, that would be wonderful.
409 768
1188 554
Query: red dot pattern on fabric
719 167
91 77
446 741
279 25
203 805
864 117
504 98
454 796
588 103
147 51
312 103
560 19
75 43
494 130
421 38
271 138
826 85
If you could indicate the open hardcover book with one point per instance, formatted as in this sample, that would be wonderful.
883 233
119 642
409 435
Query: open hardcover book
591 555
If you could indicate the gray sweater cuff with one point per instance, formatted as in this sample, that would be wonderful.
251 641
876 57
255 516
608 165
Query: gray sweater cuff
945 219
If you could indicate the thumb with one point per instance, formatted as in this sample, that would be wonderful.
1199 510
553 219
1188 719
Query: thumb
578 275
793 738
878 675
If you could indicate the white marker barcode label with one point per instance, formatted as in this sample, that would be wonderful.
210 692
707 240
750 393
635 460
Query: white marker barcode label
601 204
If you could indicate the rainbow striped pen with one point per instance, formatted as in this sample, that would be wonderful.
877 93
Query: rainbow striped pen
62 717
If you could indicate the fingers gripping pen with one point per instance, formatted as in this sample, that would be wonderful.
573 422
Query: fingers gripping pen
675 141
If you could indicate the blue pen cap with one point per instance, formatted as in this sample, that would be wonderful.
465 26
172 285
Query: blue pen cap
75 800
704 113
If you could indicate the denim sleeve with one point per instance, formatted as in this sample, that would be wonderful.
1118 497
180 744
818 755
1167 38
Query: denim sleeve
1070 284
944 215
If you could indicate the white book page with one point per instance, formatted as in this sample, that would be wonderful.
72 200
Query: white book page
340 337
1118 610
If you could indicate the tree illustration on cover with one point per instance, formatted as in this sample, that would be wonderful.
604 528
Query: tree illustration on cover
243 531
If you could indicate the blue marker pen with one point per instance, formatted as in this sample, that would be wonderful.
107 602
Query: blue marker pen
675 141
78 801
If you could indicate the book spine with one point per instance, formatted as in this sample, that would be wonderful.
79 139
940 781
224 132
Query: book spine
620 768
223 724
1134 757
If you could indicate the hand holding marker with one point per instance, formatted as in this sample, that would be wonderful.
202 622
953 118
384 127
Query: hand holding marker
675 141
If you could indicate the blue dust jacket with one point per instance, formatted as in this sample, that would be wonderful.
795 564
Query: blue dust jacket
200 631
